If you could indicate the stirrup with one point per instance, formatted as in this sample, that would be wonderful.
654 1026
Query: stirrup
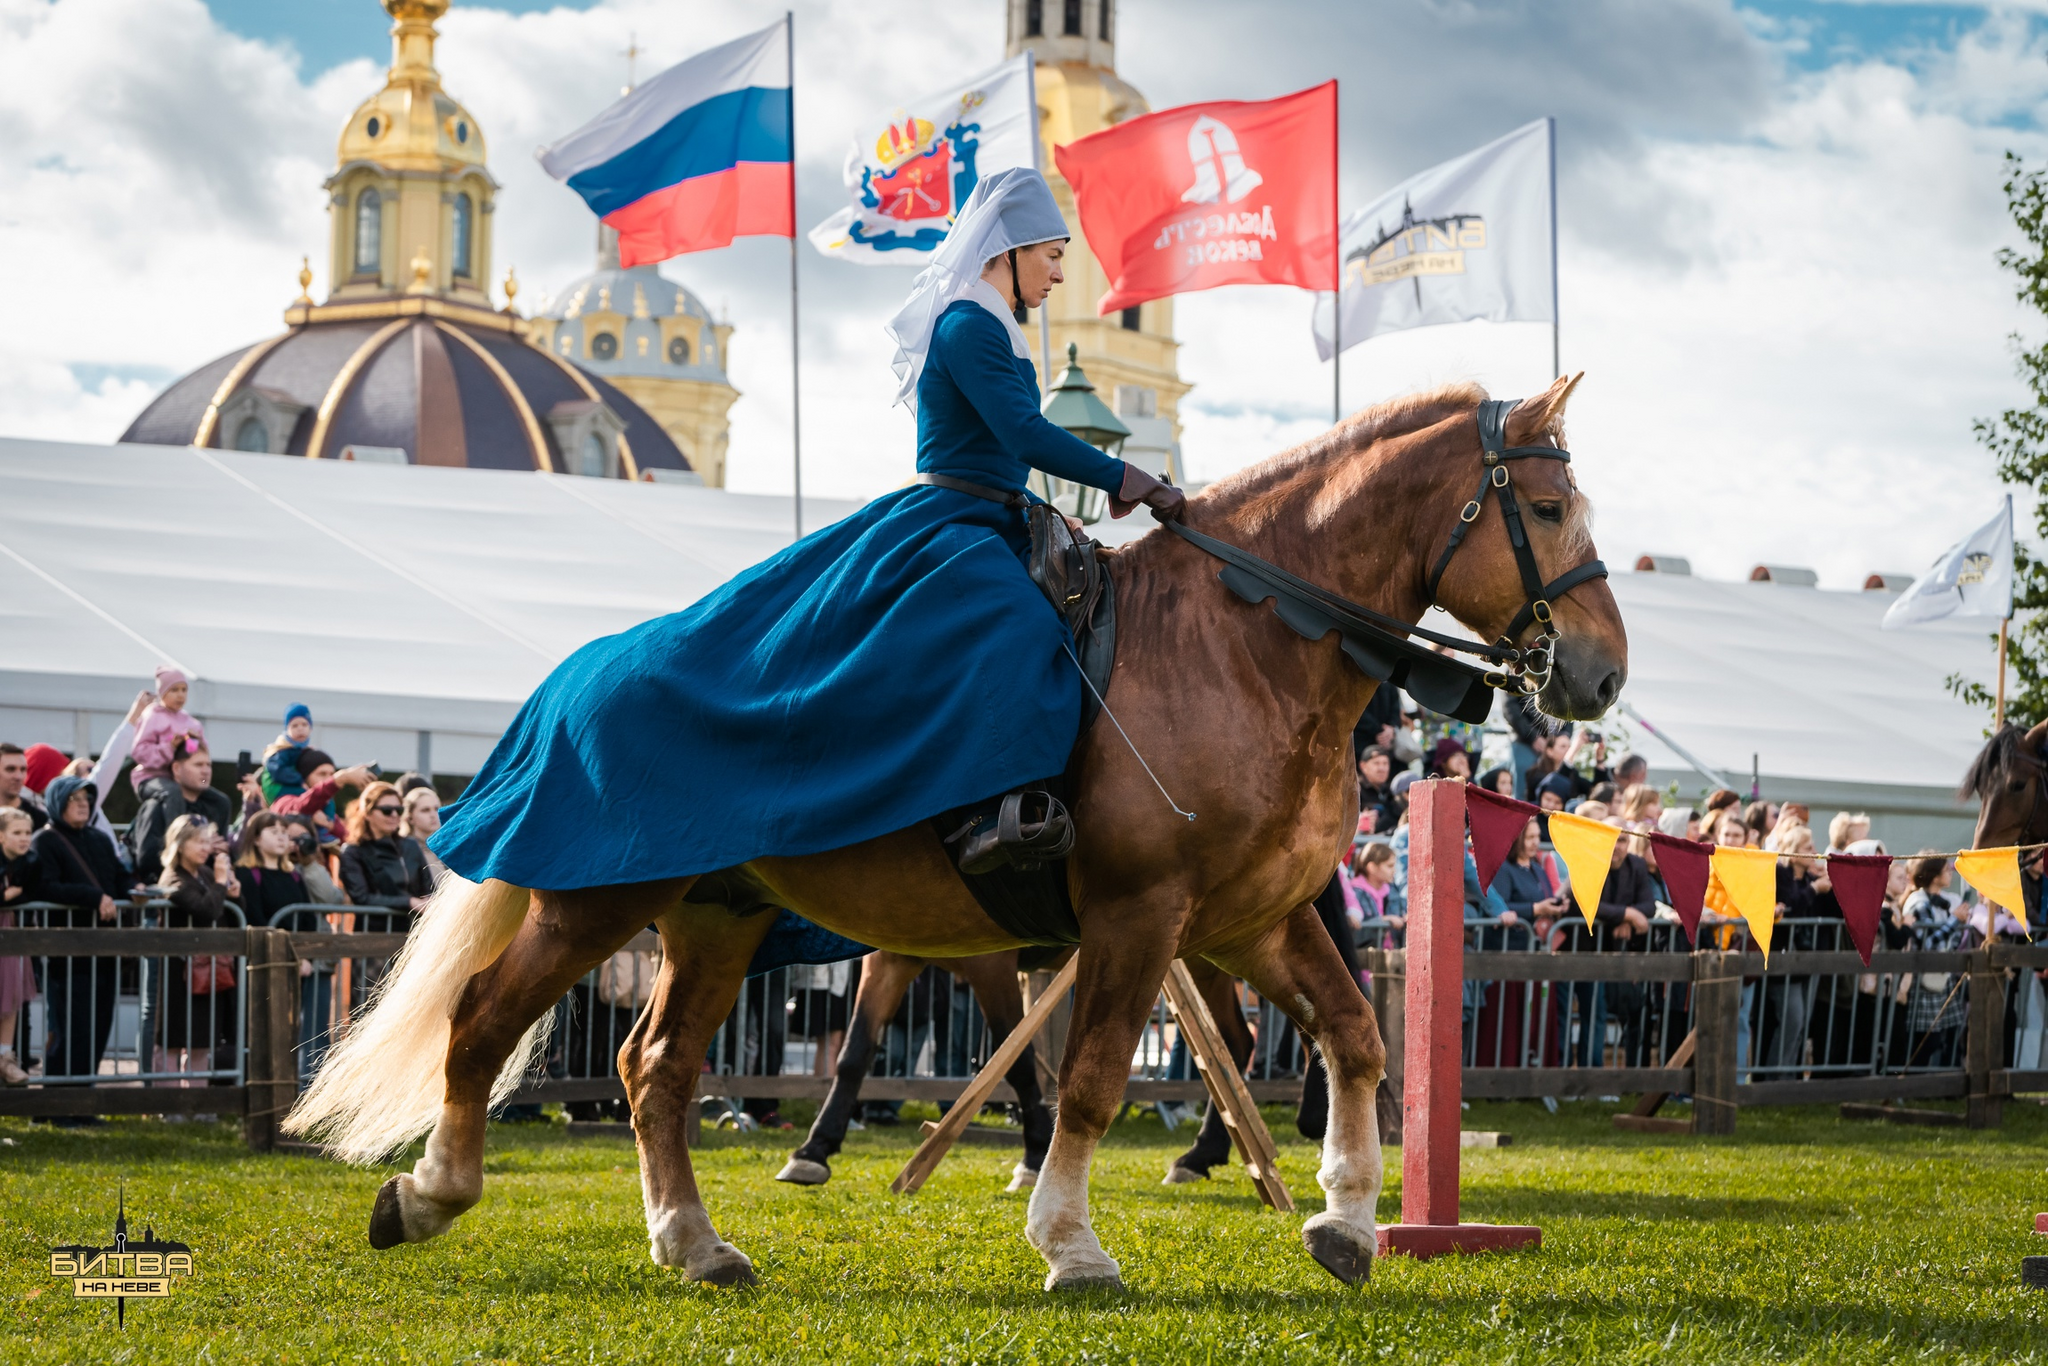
1012 839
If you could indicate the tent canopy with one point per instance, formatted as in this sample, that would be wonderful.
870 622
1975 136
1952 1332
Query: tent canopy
396 600
392 600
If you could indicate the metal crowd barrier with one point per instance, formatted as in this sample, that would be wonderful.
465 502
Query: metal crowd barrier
1606 1018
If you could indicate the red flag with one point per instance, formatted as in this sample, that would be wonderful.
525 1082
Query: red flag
1686 867
1225 193
1859 890
1497 822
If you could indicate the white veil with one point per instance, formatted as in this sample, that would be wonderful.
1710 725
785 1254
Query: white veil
1012 208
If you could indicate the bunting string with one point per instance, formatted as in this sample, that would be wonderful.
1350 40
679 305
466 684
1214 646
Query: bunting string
1725 878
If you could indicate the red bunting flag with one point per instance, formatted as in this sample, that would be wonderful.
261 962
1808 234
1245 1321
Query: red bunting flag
1497 822
1859 881
1225 193
1686 866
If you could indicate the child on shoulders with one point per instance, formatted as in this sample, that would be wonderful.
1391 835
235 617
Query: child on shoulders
281 775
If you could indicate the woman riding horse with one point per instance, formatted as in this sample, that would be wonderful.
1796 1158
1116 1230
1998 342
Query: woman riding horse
892 666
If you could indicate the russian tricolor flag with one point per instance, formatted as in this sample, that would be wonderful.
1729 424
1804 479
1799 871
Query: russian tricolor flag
697 156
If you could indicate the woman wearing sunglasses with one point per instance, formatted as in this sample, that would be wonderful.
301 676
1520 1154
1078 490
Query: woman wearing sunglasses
380 868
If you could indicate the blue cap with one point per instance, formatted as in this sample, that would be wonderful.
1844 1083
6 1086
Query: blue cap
295 711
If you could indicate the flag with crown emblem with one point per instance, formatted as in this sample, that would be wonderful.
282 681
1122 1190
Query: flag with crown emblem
910 170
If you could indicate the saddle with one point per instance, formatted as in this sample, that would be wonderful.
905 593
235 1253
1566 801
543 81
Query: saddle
1011 851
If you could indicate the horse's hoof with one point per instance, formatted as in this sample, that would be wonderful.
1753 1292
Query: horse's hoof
801 1171
1022 1178
1177 1175
387 1220
1097 1277
1338 1248
726 1265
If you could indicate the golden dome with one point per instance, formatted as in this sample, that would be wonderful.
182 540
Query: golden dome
412 124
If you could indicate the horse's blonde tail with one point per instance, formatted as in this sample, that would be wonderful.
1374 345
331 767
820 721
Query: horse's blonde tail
382 1086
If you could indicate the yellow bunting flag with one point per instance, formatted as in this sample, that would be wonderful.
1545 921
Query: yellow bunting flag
1750 877
1995 873
1587 848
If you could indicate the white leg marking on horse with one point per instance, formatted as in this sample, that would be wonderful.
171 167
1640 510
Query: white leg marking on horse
449 1177
683 1237
1022 1178
1350 1175
1057 1224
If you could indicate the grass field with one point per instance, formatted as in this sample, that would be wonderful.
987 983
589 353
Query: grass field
1803 1238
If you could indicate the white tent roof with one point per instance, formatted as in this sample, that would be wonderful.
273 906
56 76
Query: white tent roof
395 600
1801 678
392 600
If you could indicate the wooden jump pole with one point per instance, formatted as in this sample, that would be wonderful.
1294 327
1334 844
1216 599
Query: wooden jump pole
1433 1081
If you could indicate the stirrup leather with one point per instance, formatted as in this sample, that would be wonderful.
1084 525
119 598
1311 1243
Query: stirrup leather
1045 835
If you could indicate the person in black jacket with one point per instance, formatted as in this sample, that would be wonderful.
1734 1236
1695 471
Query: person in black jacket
189 792
381 869
1627 901
82 871
200 993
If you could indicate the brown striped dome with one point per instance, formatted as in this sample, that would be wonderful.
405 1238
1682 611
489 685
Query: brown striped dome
436 386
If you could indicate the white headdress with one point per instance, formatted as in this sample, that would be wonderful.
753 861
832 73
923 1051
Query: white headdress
1012 208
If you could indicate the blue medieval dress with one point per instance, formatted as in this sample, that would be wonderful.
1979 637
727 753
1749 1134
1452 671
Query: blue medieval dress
889 667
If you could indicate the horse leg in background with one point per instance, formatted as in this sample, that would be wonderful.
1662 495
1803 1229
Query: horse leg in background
705 952
884 978
1295 966
1314 1115
993 976
565 935
1212 1145
1124 956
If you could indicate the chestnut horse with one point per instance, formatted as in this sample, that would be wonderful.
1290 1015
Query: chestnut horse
1246 722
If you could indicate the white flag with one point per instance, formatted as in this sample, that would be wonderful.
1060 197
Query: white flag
1972 578
910 171
1470 238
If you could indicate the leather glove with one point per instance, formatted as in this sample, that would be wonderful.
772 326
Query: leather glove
1166 501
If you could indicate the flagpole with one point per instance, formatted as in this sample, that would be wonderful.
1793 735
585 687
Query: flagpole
796 389
1336 250
1998 716
1038 164
1556 366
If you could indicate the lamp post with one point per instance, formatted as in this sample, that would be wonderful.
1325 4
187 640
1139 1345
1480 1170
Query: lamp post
1072 405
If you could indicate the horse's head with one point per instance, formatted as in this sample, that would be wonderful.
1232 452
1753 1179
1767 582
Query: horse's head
1484 586
2007 778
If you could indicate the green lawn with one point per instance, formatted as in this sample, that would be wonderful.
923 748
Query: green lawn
1802 1238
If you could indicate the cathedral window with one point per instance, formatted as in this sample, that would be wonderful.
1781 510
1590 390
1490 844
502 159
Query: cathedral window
1034 18
678 350
1071 26
465 210
252 435
1132 321
374 126
604 346
369 232
594 460
1103 23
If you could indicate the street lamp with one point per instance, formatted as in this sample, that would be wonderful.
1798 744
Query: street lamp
1072 405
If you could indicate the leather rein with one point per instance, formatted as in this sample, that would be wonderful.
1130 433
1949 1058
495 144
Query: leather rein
1382 646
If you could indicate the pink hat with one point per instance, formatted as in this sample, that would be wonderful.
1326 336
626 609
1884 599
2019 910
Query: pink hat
169 677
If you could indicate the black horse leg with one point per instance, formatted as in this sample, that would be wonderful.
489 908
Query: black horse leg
884 977
1314 1115
1212 1145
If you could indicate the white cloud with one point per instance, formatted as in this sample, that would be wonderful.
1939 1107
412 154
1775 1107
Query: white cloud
1781 284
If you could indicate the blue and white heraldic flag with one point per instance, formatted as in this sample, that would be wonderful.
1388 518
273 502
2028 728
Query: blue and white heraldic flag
1470 238
1972 578
910 171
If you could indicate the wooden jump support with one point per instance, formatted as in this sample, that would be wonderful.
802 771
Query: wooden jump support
1432 1080
1227 1090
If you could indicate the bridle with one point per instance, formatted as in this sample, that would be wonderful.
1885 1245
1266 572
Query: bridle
1381 646
1532 670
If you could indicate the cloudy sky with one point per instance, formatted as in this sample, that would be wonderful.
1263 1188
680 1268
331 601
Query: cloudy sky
1778 224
